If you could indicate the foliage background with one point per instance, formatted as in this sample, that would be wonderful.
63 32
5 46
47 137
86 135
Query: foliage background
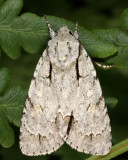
90 14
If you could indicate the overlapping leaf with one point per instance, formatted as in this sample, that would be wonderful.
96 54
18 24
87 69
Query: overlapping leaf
11 106
5 77
120 39
26 30
124 18
31 32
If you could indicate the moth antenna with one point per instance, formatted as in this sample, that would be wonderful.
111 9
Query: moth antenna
103 66
76 26
76 31
52 33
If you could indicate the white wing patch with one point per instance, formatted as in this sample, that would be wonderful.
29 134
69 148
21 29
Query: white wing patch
65 102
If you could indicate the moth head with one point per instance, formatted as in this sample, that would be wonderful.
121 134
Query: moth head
64 30
63 50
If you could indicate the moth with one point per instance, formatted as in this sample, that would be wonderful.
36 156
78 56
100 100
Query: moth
65 101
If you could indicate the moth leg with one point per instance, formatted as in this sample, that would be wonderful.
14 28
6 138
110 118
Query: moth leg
103 66
76 31
52 33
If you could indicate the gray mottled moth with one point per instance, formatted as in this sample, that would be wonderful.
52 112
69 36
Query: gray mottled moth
65 102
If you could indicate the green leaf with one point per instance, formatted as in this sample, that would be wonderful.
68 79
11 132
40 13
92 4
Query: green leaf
14 114
9 11
6 132
124 18
11 106
120 40
11 102
111 102
26 30
13 97
1 3
5 78
31 32
116 150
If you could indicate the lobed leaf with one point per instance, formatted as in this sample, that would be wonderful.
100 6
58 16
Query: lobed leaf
124 18
30 32
1 3
11 106
120 40
14 96
26 30
6 132
5 78
116 150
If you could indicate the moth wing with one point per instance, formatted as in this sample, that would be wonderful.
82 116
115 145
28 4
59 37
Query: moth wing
87 129
38 131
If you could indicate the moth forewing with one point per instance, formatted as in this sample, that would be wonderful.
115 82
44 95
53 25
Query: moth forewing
65 101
